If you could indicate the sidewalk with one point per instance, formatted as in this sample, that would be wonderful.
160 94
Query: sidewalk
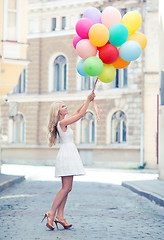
8 180
151 189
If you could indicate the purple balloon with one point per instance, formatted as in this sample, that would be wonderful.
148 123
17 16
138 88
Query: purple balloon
93 14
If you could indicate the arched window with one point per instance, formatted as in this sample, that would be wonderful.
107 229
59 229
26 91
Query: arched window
121 79
119 126
21 86
87 83
88 128
18 129
60 74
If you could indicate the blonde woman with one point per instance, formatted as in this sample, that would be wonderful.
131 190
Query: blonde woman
68 162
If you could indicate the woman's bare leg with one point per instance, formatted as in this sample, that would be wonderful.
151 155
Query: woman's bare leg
60 210
62 194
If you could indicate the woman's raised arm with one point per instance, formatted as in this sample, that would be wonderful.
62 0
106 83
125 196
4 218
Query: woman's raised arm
80 113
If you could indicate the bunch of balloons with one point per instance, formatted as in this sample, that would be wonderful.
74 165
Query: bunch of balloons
106 41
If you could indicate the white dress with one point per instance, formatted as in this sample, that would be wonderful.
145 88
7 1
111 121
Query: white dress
68 161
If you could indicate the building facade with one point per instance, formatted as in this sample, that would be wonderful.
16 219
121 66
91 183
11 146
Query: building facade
13 53
161 101
125 136
13 42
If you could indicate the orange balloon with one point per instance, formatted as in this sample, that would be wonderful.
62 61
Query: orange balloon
99 35
120 63
140 38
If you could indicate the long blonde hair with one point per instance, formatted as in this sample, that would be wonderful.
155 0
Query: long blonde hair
53 121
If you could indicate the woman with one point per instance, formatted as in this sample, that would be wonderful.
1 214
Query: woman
68 162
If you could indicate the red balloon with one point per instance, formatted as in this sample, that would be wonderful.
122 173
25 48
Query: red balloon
108 53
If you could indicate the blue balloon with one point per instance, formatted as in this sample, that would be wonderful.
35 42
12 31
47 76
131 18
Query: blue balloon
80 68
130 50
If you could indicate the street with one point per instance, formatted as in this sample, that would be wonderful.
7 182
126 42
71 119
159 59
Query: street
96 210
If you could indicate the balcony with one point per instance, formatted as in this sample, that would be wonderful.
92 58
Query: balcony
14 51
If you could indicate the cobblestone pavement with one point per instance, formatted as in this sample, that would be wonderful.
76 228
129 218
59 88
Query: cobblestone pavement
96 210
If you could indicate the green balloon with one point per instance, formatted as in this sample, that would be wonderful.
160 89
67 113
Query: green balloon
108 73
93 66
118 34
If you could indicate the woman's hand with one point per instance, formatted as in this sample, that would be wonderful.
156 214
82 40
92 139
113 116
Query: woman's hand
91 96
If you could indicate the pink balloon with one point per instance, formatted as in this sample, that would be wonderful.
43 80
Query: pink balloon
82 27
76 39
86 49
110 16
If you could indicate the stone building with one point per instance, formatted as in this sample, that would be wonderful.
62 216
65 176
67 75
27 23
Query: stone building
161 109
13 53
125 136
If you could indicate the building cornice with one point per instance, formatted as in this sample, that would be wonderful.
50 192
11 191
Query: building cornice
16 61
80 147
78 96
43 6
52 34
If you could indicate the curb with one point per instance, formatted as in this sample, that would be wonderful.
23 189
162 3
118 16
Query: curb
11 182
151 196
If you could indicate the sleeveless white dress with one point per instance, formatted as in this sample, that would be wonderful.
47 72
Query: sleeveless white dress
68 161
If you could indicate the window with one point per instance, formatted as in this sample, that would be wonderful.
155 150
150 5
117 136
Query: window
12 20
60 74
119 127
121 78
63 23
21 86
88 128
53 24
87 83
18 129
123 11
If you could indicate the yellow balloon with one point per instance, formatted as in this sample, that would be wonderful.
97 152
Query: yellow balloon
132 20
140 38
108 73
99 35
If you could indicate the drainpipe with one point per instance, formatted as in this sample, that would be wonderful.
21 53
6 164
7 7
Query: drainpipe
142 96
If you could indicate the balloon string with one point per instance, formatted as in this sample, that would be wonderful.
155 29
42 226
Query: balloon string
96 110
95 105
95 84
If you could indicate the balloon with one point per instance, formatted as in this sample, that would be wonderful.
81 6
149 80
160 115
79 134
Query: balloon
93 14
93 66
130 51
86 49
83 26
76 39
108 53
98 34
132 20
110 16
120 63
108 73
140 38
80 68
118 34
